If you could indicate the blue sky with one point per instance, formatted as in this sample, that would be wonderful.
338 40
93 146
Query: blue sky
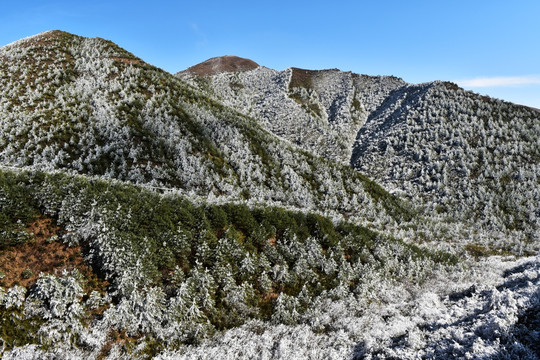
491 47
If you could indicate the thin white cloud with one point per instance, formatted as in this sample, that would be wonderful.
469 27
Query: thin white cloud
500 81
202 40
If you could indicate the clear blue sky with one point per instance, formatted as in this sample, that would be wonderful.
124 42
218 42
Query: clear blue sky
491 47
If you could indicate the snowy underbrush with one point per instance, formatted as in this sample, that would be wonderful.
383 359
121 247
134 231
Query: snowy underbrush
487 310
320 111
179 273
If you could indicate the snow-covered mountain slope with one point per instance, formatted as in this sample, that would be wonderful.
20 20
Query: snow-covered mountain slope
253 244
461 155
87 106
320 111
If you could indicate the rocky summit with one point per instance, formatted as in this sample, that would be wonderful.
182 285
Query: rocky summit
222 64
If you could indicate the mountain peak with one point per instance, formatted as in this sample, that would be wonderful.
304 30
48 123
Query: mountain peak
39 46
43 36
221 64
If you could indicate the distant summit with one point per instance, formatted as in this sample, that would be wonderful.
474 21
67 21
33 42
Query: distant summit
217 65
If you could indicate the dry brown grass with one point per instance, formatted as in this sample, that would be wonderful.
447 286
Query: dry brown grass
41 255
271 296
302 78
127 60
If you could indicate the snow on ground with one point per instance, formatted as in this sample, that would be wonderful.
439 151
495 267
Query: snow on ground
490 309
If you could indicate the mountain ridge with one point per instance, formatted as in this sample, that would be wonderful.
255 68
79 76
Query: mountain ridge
339 115
320 112
181 216
103 111
287 103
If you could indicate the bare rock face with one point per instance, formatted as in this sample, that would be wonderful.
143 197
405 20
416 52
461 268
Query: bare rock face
218 65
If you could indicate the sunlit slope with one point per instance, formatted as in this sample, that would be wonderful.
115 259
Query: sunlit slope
87 106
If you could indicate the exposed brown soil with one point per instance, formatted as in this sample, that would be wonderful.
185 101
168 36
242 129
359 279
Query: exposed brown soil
271 296
222 64
43 255
303 77
115 337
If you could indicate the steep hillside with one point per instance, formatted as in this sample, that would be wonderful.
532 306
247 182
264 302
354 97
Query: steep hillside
87 106
320 111
462 155
128 273
466 159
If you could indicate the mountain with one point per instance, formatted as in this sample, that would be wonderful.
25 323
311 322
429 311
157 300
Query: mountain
236 211
458 155
320 111
222 64
89 107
